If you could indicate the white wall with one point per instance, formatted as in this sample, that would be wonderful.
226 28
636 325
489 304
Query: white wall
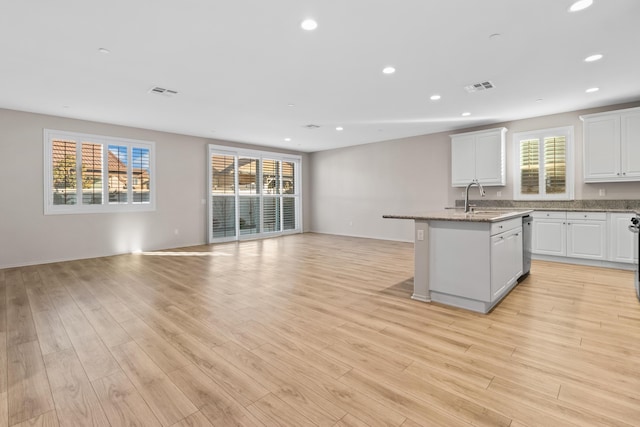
27 236
613 191
351 188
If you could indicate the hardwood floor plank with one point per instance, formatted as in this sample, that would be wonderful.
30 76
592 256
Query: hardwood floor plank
51 333
96 359
345 397
122 404
158 349
75 400
194 420
272 411
563 410
20 327
28 394
3 335
4 410
166 401
201 389
415 408
308 403
351 421
236 415
48 419
440 405
106 327
38 299
244 389
610 404
229 334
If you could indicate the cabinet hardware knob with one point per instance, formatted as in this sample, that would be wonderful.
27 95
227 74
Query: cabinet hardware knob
624 173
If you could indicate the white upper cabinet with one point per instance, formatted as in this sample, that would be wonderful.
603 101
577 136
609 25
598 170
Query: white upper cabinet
612 146
478 155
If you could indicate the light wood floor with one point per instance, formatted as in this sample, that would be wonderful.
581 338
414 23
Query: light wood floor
309 330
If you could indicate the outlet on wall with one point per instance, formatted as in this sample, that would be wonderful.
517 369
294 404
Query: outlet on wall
499 194
602 192
420 235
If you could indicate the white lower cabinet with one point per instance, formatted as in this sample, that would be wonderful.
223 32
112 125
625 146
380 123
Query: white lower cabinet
549 233
622 242
587 235
506 261
597 236
474 264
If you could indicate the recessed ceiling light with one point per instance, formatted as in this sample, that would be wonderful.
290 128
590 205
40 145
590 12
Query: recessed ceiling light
580 5
593 58
435 97
287 139
309 25
466 114
592 89
104 50
388 70
339 128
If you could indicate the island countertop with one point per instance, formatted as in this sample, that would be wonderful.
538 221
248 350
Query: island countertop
481 215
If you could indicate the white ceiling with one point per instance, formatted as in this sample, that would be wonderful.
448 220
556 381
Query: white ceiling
238 64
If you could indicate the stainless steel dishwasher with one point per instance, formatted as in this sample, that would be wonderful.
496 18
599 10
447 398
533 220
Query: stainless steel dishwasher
527 224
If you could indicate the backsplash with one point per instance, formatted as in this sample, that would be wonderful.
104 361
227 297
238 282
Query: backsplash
631 204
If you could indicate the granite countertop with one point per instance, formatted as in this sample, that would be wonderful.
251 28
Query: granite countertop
480 215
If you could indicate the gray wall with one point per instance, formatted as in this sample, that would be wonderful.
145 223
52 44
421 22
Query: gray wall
27 236
352 188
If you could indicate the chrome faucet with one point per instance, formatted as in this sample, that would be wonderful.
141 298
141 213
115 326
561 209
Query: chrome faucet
466 196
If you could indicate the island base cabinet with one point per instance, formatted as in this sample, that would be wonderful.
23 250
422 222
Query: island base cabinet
506 261
473 265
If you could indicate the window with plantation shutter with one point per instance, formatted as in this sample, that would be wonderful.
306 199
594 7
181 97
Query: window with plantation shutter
544 167
92 173
253 194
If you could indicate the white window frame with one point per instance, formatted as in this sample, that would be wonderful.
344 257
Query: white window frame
567 132
105 207
261 156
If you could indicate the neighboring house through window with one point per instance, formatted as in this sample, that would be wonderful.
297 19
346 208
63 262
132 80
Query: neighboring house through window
544 164
92 173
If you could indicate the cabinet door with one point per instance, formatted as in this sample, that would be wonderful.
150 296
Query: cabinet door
500 268
490 159
463 160
622 243
506 261
602 149
586 239
549 237
630 144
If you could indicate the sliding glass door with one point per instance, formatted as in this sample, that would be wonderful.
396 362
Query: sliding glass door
253 194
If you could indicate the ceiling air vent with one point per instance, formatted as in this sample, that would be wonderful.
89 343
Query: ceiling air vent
311 126
162 91
478 87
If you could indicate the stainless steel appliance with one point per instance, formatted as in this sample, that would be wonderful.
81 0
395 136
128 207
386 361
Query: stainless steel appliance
527 223
634 228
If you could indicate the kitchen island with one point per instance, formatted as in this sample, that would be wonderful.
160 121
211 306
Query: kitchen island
468 260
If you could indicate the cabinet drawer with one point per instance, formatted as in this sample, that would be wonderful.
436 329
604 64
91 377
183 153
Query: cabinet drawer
595 216
502 226
549 215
